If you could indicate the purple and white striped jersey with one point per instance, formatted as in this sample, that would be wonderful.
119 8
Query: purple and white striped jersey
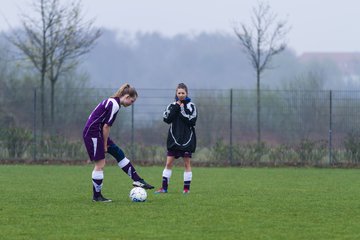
104 113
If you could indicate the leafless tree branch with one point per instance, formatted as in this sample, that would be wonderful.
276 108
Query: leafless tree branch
55 40
261 41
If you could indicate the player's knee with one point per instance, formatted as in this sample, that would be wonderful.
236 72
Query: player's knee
99 165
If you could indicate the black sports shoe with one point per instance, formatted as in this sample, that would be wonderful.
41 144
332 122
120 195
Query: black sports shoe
141 183
101 199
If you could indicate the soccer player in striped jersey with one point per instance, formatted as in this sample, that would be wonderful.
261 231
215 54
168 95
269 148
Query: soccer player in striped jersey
97 140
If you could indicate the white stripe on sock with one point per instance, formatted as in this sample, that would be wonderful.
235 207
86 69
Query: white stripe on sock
123 162
187 176
97 175
167 173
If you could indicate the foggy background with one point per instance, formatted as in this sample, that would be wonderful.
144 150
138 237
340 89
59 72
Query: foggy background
309 90
160 43
319 25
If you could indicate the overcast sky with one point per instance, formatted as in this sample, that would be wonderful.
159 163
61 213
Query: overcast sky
316 25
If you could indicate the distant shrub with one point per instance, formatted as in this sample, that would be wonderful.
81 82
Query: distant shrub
311 152
282 154
16 141
58 147
352 147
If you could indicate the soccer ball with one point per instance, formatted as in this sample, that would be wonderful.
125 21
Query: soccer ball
138 194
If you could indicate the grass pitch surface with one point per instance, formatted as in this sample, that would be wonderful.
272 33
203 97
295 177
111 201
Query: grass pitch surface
54 202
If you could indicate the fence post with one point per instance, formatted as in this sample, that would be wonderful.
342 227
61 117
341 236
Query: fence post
34 126
132 132
330 127
231 127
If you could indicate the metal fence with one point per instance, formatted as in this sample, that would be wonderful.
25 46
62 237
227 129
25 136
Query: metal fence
297 127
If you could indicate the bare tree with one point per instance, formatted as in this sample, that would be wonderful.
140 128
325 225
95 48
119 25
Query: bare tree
54 41
262 40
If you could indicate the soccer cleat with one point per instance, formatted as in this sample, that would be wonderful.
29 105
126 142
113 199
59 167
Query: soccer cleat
161 190
186 191
101 199
141 183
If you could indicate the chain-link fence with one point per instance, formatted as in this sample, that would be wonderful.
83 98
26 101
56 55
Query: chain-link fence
294 127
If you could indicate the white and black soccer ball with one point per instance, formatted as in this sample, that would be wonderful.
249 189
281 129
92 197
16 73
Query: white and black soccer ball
138 194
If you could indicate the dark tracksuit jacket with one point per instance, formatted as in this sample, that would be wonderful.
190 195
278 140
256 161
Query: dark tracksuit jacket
181 135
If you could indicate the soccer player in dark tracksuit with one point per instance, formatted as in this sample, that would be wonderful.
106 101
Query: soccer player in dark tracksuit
97 140
181 140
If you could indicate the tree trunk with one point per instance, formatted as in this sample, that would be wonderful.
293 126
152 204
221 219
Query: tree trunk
42 103
52 102
258 105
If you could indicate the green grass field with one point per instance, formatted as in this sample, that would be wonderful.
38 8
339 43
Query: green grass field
54 202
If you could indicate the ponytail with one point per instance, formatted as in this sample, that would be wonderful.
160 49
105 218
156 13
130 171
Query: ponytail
126 89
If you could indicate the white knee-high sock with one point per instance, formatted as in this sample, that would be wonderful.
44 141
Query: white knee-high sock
129 169
97 180
187 180
166 178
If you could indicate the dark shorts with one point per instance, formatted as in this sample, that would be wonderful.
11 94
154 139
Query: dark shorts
178 154
95 147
